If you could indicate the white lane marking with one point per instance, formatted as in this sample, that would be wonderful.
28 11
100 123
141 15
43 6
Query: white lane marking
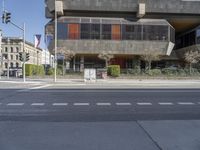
144 103
81 104
165 103
123 104
39 87
60 104
103 104
37 104
185 103
15 104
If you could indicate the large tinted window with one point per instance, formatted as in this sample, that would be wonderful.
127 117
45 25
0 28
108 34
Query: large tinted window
116 32
198 36
95 31
62 31
106 31
131 32
153 32
85 31
172 35
73 31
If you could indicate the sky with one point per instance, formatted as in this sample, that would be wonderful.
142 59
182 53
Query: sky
32 12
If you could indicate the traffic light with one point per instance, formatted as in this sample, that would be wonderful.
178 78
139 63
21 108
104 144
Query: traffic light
27 56
6 17
21 56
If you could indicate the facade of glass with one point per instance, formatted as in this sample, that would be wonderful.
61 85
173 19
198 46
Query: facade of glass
189 38
88 31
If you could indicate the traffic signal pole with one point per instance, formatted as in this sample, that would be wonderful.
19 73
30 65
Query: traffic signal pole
24 66
24 61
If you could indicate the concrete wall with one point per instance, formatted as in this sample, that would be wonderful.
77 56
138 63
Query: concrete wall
114 47
131 6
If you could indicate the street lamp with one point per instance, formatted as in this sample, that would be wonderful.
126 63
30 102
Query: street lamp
58 11
55 58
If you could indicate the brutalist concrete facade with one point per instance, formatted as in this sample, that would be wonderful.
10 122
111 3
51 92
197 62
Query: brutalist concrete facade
180 15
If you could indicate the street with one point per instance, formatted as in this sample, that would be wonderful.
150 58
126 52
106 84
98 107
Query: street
100 105
52 117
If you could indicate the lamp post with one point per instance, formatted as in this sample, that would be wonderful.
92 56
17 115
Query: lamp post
55 58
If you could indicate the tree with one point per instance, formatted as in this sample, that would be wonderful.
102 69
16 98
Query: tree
149 56
192 57
107 56
67 54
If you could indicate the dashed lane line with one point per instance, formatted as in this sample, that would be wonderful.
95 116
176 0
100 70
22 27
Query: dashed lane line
186 103
103 104
37 104
81 104
15 104
60 104
148 104
123 104
165 103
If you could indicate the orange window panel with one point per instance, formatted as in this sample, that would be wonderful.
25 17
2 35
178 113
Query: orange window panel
73 31
116 32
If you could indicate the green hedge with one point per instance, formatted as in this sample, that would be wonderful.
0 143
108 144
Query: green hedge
154 72
32 70
114 70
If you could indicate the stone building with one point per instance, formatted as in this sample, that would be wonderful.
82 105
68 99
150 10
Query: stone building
11 47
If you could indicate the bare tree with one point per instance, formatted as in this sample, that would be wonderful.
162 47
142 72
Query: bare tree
107 56
67 54
149 56
192 57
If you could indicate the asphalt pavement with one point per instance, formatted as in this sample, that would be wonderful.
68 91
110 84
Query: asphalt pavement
41 116
100 105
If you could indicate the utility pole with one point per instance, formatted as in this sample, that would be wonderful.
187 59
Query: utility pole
55 58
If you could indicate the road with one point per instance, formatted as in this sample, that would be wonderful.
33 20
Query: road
100 105
43 117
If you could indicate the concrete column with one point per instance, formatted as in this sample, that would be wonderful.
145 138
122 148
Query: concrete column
74 63
82 64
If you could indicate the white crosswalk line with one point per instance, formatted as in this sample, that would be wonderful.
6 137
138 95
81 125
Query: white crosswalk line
103 104
185 103
165 103
81 104
144 103
37 104
123 104
60 104
15 104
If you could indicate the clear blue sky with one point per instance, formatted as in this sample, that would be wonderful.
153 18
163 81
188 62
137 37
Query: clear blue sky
32 12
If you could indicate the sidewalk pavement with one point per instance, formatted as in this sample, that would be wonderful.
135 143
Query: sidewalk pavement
109 83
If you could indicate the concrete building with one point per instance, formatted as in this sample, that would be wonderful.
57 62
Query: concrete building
125 28
11 47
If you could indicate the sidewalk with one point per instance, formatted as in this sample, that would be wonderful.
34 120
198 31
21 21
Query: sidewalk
110 83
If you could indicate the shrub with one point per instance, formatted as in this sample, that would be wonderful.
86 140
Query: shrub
169 71
194 72
181 72
154 72
34 70
50 71
114 70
